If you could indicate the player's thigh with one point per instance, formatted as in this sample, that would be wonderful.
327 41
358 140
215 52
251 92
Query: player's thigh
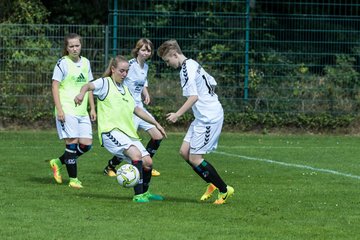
85 129
205 137
155 133
69 128
71 141
116 143
133 153
144 154
184 150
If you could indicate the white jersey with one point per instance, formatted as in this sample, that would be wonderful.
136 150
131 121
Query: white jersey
102 88
136 80
61 70
195 81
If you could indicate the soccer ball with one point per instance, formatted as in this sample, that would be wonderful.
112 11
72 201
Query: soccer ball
128 175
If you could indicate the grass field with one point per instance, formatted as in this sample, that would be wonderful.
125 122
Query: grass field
286 187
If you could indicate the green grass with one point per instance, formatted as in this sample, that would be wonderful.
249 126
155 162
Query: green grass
286 187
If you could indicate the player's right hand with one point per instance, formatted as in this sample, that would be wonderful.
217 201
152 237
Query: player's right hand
60 115
172 117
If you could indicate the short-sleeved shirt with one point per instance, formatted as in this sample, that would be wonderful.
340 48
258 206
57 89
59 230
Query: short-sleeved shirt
61 70
195 81
71 77
115 107
136 80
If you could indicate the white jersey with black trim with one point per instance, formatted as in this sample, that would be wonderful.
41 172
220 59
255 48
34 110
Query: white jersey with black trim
195 81
136 80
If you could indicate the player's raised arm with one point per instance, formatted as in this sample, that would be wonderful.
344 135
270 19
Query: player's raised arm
80 97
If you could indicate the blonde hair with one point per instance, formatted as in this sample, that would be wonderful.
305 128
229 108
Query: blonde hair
66 42
114 63
169 46
140 43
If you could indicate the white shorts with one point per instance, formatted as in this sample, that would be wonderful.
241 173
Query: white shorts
74 127
116 142
142 124
203 137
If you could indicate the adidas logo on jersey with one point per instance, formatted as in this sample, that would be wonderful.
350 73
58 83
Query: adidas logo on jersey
81 78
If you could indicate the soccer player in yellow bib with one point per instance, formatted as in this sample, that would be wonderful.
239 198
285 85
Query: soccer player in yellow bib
116 128
202 137
137 82
73 124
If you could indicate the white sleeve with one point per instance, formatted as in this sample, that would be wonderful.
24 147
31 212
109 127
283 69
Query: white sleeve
190 88
146 67
212 80
60 70
91 77
101 88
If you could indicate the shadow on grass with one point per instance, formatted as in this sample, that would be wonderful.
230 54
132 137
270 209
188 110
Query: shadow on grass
84 193
42 180
130 196
103 196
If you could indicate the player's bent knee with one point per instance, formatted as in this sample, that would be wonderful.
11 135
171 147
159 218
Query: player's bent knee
184 155
85 148
147 161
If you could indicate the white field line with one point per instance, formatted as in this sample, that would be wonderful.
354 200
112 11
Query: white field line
283 147
289 164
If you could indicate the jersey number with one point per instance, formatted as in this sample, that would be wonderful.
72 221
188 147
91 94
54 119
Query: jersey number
210 87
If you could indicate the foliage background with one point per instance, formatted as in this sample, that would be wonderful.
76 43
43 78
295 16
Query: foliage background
302 68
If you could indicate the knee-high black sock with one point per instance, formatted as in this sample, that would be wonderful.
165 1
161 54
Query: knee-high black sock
114 161
197 172
70 160
210 173
82 148
152 146
147 178
62 158
139 188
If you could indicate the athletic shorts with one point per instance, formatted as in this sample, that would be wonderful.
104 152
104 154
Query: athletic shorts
142 124
74 127
116 142
203 137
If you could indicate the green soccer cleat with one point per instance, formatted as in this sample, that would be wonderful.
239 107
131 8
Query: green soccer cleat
75 183
222 197
140 198
56 166
155 197
208 193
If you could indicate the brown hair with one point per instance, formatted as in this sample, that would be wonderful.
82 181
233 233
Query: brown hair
66 41
113 63
169 46
140 43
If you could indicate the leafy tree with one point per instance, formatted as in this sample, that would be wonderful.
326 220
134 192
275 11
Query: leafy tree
77 11
23 11
22 45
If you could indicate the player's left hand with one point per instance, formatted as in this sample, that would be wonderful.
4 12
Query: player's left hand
78 99
161 129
